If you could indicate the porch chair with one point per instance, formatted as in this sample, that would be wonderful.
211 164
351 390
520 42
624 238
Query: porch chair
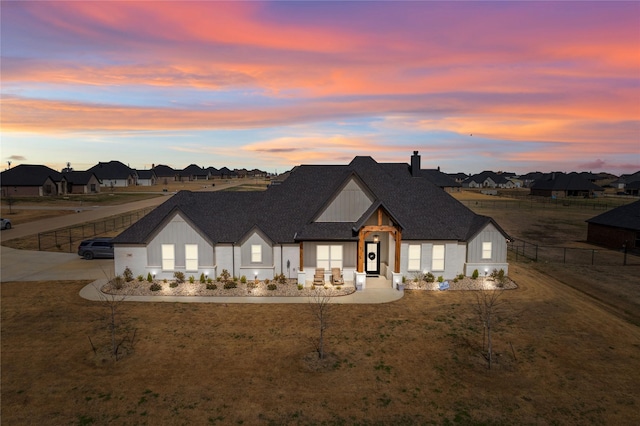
318 277
336 277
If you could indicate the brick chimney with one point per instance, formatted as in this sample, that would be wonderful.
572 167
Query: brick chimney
415 164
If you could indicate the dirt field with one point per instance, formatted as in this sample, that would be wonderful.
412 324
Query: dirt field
613 285
560 360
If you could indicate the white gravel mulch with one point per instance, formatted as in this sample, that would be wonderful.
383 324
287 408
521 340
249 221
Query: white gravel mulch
142 288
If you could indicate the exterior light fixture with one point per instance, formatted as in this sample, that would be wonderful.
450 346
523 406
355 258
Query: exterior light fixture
376 238
154 275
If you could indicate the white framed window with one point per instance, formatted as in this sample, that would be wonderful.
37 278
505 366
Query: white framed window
191 257
328 257
168 257
437 258
486 250
415 252
256 253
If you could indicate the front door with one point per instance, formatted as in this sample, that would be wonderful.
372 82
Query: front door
372 261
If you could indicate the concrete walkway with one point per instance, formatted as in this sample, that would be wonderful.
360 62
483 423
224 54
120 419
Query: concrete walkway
370 296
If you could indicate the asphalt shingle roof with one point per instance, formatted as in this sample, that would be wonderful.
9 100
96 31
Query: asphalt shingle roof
112 170
565 182
627 217
285 212
29 175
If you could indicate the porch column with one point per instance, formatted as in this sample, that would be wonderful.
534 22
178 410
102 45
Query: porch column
360 267
301 268
396 266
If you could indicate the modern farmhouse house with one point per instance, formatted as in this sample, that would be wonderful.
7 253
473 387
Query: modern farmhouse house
366 218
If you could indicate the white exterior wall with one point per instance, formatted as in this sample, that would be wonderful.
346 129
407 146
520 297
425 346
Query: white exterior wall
116 183
134 257
498 258
224 258
454 258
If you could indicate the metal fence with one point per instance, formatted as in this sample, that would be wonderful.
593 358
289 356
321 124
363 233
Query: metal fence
524 250
556 203
67 239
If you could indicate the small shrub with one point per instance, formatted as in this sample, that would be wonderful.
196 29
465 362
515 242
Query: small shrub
499 277
209 280
281 279
429 277
266 281
140 278
179 276
202 278
149 277
128 275
164 280
211 286
300 286
440 279
243 279
173 284
272 287
118 282
155 287
225 275
461 276
339 288
455 280
235 279
404 279
475 274
230 284
313 286
192 279
218 279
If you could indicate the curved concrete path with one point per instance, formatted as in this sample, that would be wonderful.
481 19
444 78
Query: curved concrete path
371 296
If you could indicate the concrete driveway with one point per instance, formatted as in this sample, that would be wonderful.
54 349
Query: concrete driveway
27 265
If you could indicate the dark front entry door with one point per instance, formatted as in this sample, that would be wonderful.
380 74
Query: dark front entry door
372 258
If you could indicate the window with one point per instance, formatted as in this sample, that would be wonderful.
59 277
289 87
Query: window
256 253
191 257
328 257
93 187
168 257
437 260
414 257
486 250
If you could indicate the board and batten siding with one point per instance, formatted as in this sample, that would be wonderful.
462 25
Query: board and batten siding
179 232
133 257
454 258
498 258
348 206
266 251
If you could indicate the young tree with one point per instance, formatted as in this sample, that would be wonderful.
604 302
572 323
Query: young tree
120 336
487 306
320 307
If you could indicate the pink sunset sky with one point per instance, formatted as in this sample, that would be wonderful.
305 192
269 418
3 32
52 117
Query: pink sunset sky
515 86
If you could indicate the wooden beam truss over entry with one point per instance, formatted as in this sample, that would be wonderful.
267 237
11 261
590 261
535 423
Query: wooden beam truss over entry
365 231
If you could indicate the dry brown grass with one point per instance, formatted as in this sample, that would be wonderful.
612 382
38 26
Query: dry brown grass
415 361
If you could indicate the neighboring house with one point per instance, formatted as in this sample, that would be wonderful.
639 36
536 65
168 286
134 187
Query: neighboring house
114 174
441 180
488 179
517 182
623 182
458 177
559 185
616 228
146 177
214 173
530 178
256 173
165 174
225 173
366 218
194 172
79 182
632 188
32 180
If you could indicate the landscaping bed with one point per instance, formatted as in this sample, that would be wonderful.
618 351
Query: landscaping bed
197 288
